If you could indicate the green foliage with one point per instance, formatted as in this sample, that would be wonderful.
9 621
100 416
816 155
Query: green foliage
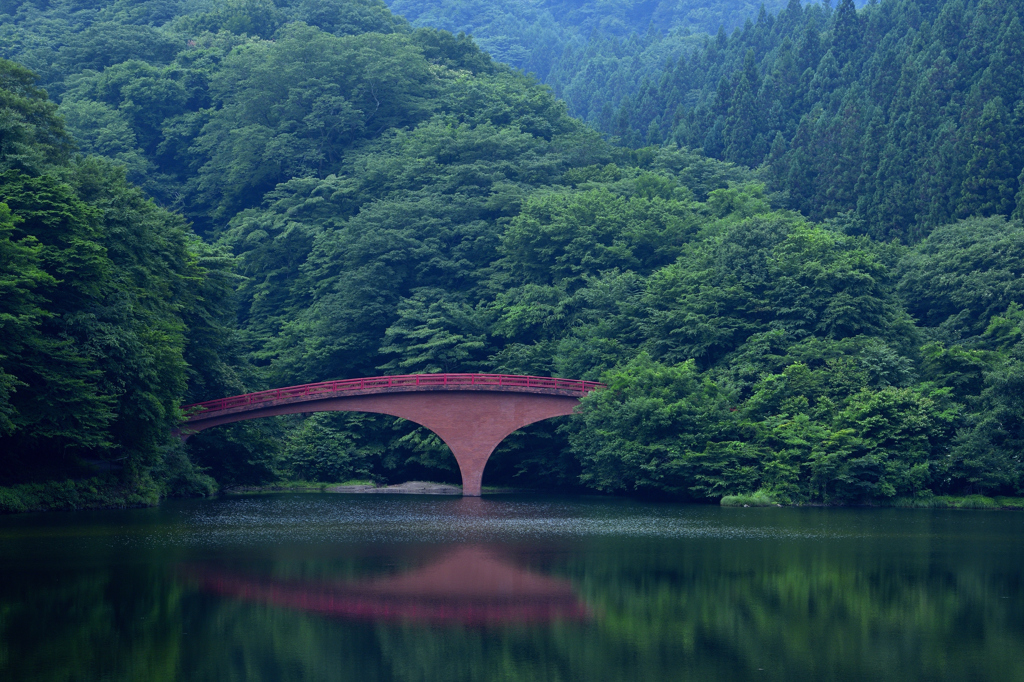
767 272
561 238
987 455
93 493
31 134
556 38
243 453
953 502
641 431
758 498
22 310
319 450
60 398
97 283
292 106
374 198
963 274
899 437
811 95
433 335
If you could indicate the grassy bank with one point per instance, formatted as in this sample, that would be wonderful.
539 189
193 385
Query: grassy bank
317 487
959 502
291 487
762 498
100 492
86 488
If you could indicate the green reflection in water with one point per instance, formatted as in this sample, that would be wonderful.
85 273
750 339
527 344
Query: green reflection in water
339 587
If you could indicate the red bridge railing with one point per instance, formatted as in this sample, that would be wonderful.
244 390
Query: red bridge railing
325 389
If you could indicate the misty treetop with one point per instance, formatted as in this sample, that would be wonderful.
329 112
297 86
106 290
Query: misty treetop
554 38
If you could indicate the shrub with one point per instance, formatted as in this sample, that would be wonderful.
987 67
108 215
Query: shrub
947 502
760 498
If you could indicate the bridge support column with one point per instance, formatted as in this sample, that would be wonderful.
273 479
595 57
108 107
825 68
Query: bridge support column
472 461
472 424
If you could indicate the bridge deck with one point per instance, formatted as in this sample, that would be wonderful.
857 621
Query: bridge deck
406 382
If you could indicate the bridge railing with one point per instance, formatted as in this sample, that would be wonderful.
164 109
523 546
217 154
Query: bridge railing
327 388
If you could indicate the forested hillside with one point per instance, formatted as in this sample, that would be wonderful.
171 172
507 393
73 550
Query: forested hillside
900 117
374 198
840 106
107 304
555 39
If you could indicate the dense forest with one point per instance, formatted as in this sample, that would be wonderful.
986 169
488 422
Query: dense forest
896 119
200 199
557 40
842 108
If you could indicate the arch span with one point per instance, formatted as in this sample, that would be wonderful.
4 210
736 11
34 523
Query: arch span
471 413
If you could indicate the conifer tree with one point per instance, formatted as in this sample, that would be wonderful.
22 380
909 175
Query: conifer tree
990 177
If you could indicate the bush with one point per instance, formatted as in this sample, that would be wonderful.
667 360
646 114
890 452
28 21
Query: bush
761 498
12 502
948 502
68 495
179 477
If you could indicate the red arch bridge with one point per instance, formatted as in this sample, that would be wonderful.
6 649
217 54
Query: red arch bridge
471 413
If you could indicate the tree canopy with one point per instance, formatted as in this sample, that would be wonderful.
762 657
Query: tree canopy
245 195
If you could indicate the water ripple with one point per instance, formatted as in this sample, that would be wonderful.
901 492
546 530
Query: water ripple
257 521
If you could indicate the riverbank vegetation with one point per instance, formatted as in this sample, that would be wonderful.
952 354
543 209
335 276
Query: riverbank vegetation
255 195
763 498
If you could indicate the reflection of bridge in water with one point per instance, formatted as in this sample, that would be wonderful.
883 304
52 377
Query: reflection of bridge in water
471 413
470 586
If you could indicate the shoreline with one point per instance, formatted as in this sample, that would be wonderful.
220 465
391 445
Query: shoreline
362 488
975 502
358 488
105 492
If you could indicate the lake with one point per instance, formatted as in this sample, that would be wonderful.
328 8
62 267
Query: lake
389 587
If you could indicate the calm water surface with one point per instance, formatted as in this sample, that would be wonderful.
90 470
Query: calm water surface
350 587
